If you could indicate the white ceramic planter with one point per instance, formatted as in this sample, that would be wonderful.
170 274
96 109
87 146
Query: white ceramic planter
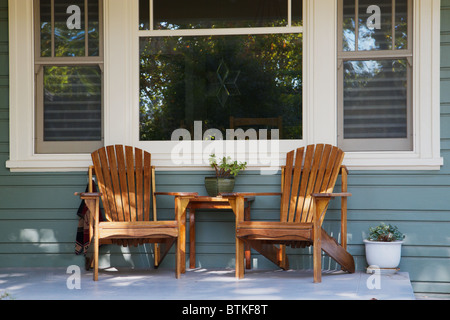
384 255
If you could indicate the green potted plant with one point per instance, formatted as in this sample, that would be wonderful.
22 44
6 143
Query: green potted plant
225 172
383 247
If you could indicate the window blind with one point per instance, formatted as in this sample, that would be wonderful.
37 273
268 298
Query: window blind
375 99
72 103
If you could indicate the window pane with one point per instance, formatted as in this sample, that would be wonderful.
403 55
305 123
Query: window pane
348 25
144 14
211 78
72 103
46 28
69 42
375 99
182 14
93 28
297 12
378 36
401 24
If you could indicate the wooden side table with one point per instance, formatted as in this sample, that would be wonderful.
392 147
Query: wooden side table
206 202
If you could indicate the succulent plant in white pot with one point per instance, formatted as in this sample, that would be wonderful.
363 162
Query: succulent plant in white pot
383 247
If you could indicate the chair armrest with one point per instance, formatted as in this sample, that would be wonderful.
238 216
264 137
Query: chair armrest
177 194
88 194
331 195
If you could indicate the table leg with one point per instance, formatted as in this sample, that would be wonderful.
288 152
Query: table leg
191 238
247 253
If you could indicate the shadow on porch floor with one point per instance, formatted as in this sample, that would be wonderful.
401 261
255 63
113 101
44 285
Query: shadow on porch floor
200 284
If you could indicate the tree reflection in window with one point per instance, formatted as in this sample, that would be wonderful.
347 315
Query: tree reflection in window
182 80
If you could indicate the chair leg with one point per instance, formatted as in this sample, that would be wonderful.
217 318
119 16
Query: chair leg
156 249
284 262
178 258
96 248
317 245
317 259
239 258
238 208
96 238
180 214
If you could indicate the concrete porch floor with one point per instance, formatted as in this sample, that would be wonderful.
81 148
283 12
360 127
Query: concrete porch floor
199 284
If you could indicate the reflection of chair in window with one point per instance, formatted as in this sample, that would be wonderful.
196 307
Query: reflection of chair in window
258 123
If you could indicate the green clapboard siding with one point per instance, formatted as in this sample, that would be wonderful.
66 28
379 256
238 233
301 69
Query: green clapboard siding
38 218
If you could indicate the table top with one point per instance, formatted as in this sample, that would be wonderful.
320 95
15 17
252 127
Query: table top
215 199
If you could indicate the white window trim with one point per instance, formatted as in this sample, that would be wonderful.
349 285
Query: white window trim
121 116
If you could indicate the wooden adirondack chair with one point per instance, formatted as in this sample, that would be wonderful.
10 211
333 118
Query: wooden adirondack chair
306 189
126 184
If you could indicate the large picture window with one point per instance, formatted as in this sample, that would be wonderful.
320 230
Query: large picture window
375 75
69 76
222 62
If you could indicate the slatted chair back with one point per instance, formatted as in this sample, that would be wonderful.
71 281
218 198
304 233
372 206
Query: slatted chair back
126 181
307 171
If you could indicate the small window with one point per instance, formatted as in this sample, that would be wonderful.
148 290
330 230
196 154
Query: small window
375 75
69 77
204 14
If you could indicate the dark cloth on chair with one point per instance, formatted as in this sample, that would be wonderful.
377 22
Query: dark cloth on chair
82 238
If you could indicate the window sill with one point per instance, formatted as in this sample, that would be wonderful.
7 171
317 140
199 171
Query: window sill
391 161
353 160
51 163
